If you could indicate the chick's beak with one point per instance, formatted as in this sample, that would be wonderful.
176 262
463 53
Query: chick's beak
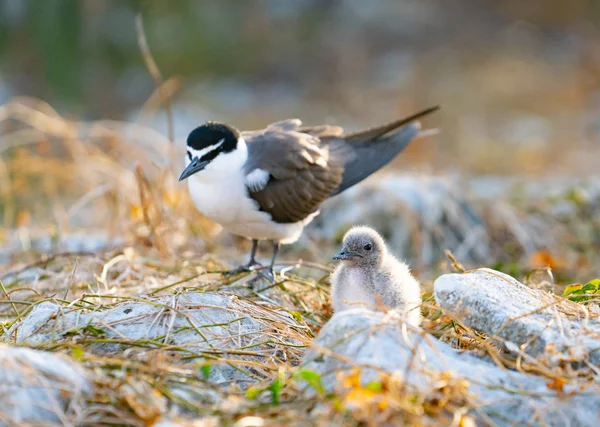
345 254
195 166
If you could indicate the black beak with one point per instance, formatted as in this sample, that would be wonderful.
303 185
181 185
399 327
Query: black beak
195 166
345 254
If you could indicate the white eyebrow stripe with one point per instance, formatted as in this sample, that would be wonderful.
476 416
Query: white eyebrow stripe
200 153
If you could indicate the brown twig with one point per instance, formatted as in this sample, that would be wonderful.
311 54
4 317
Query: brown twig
455 264
145 195
155 73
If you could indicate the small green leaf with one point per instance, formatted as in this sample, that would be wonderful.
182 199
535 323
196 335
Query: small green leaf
205 370
374 386
312 378
77 353
71 332
275 389
572 289
296 315
589 288
595 282
91 329
253 392
94 330
578 293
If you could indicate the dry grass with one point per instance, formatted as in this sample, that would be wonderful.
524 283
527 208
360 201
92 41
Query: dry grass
137 383
113 177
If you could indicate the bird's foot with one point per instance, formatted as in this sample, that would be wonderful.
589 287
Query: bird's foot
248 268
268 275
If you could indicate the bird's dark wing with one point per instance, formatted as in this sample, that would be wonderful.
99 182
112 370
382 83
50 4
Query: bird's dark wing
367 151
288 173
292 169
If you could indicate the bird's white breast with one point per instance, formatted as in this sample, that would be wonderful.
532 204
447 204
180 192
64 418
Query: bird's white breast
223 200
353 292
219 192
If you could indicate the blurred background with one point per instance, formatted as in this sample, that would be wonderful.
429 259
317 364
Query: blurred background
510 181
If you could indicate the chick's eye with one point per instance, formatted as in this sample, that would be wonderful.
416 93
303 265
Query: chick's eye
367 247
189 155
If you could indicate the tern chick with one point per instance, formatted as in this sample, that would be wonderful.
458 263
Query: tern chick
367 270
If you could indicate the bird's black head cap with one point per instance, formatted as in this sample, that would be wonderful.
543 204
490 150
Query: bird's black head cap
212 133
206 143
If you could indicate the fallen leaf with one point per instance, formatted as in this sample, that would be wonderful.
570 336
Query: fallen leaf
352 380
543 259
360 397
556 384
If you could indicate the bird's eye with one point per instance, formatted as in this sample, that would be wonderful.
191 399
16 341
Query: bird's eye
190 155
367 247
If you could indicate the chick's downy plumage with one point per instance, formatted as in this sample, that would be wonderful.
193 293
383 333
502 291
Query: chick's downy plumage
367 270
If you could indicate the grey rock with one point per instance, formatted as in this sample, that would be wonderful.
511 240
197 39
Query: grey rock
36 387
197 324
522 320
375 341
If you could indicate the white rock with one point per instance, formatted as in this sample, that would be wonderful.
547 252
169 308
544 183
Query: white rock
36 386
539 323
200 323
371 339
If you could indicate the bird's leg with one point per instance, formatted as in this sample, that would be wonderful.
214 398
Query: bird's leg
269 272
252 264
